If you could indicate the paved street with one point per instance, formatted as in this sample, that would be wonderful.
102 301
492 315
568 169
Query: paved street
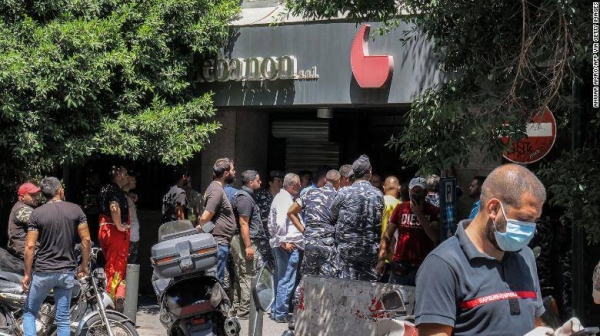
148 324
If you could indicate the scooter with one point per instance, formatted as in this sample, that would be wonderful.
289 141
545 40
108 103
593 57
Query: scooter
191 299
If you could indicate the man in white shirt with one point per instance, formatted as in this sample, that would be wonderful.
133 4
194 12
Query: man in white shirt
287 243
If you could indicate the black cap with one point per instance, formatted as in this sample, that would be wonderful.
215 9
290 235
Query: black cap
277 173
361 166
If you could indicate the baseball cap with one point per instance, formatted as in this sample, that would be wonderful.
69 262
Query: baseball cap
277 173
361 165
417 182
28 188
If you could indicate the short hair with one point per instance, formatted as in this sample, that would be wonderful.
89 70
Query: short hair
114 171
346 170
305 172
50 186
221 166
248 176
392 180
480 179
322 172
290 180
433 182
509 183
333 176
177 174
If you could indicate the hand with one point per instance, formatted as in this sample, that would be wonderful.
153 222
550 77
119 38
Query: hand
134 197
416 209
250 253
26 282
82 271
380 269
289 247
569 328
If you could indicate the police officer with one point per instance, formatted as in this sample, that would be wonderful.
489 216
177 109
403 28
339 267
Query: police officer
356 212
319 248
319 231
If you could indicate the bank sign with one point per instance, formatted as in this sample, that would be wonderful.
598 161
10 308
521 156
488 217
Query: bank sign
319 64
254 69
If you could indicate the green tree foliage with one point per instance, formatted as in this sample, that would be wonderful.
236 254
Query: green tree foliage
505 61
87 77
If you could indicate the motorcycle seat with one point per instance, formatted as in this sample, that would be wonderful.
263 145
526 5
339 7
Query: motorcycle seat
12 277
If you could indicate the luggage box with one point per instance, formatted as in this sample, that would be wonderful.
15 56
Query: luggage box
179 256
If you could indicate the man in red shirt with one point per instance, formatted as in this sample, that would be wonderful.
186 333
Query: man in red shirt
417 224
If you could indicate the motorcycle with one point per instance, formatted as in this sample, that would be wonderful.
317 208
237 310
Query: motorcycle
191 299
91 311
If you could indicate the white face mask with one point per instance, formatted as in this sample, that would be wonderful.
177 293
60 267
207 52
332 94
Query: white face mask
518 234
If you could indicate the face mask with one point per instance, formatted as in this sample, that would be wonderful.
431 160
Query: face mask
517 235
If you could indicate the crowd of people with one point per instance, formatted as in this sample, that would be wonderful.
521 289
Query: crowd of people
346 223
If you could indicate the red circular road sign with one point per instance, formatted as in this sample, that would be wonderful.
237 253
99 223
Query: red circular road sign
541 134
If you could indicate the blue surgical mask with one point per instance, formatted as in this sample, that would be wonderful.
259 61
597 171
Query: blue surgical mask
517 235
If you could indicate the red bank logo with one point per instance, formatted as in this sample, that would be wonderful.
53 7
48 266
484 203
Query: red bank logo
370 71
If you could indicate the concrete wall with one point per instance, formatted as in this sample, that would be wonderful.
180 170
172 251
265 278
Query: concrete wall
244 137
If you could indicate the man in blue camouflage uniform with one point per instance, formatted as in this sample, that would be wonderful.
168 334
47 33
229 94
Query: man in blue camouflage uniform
264 198
319 241
356 212
319 232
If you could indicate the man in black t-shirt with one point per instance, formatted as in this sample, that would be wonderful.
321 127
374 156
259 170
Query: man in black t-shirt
174 205
244 244
54 225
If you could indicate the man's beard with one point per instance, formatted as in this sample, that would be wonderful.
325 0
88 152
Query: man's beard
489 233
33 204
229 179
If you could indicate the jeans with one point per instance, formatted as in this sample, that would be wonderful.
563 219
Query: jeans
222 257
41 284
286 267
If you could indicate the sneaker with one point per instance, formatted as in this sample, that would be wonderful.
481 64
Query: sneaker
282 320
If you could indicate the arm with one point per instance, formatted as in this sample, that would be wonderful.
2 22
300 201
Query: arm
84 235
245 233
29 252
212 201
180 204
293 216
385 247
179 212
115 214
434 329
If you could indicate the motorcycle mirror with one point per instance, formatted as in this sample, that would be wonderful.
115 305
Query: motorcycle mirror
263 288
396 300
